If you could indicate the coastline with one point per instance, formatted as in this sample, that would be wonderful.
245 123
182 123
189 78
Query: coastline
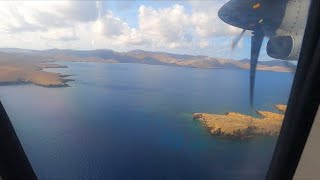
33 73
19 66
240 126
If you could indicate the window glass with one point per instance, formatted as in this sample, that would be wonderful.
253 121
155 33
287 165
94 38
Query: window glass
149 89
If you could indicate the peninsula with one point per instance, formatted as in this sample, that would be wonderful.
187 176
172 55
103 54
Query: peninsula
26 66
240 126
26 69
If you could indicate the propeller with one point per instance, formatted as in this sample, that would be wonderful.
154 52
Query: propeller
262 17
256 42
237 39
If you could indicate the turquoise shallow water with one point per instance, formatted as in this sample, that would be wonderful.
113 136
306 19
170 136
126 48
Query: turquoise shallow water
134 121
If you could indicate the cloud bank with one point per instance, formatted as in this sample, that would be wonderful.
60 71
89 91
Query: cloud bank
186 27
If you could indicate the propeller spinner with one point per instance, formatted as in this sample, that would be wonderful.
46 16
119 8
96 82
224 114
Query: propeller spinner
263 17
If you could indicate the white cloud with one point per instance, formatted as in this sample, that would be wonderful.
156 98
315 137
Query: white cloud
61 34
206 21
111 26
29 16
168 26
90 25
115 29
203 43
44 24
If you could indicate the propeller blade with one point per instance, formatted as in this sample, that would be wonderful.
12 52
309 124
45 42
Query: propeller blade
237 39
256 42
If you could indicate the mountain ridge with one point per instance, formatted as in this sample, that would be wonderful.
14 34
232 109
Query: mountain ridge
20 66
150 57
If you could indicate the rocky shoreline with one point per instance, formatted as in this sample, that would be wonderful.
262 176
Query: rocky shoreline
11 74
240 126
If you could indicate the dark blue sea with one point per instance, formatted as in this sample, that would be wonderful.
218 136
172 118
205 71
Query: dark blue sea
134 121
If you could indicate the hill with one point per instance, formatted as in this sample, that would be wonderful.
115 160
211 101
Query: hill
150 57
25 66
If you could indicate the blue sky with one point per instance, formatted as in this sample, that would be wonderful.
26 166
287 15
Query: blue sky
184 27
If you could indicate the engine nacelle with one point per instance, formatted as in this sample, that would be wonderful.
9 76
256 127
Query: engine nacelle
285 47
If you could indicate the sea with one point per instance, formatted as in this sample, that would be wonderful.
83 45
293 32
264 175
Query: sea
134 121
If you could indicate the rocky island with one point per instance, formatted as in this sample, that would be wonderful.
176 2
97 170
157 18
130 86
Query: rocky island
281 107
240 126
25 69
24 75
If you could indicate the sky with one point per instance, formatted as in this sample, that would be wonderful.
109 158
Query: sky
183 27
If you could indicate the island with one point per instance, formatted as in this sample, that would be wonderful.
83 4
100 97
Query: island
26 69
24 75
240 126
19 66
281 107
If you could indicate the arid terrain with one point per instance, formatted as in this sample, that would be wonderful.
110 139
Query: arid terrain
23 69
236 125
26 66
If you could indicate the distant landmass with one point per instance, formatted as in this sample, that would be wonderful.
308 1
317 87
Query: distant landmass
25 66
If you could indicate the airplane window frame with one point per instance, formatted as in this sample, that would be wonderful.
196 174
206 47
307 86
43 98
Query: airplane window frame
302 106
303 102
14 163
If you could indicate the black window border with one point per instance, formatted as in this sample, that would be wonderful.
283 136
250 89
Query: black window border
303 102
14 163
